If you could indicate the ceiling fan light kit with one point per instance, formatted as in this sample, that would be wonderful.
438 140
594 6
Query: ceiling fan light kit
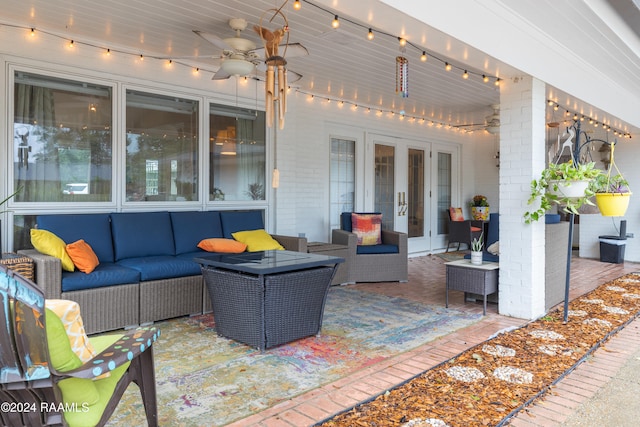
237 67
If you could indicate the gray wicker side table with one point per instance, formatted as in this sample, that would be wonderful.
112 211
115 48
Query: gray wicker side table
342 251
478 279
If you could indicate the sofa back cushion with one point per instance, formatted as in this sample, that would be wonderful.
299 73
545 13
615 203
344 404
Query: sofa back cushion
141 234
233 221
189 228
95 229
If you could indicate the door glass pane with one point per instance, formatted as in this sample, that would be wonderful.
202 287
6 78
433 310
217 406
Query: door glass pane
444 191
385 184
415 196
237 154
62 144
343 179
162 148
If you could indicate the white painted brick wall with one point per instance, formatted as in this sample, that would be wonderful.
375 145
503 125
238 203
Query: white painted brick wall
522 116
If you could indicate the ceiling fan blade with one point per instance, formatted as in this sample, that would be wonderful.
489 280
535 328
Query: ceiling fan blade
292 50
213 39
221 74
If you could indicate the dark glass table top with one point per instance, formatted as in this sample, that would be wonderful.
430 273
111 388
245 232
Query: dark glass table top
267 262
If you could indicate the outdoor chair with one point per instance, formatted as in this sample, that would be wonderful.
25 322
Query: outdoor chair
462 230
43 378
374 255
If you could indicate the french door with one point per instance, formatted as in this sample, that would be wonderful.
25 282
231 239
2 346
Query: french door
412 181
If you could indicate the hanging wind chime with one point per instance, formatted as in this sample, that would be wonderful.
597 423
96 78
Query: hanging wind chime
402 76
276 67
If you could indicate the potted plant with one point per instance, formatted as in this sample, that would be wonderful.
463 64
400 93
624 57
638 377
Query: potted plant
476 250
479 208
612 194
564 184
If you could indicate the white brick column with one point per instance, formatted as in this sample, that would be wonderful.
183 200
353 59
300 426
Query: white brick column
522 157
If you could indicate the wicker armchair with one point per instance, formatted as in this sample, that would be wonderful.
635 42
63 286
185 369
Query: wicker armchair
461 230
371 263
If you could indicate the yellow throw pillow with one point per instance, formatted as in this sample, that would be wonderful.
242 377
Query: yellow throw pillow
221 245
83 256
49 244
257 240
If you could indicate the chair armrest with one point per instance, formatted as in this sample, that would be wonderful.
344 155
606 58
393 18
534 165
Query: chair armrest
48 273
397 238
298 244
133 343
341 237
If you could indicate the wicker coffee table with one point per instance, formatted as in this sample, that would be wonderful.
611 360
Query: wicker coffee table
478 279
268 298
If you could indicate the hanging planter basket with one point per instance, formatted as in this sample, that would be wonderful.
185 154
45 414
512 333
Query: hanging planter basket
612 192
568 189
613 204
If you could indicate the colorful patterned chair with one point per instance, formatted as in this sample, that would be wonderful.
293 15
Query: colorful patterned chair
44 382
462 230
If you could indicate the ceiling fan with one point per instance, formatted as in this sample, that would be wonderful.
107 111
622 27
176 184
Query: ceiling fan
240 56
491 124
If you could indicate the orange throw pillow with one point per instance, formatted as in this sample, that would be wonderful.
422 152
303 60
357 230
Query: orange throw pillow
82 256
228 246
456 214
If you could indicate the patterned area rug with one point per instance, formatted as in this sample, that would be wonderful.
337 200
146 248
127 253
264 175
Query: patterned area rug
206 380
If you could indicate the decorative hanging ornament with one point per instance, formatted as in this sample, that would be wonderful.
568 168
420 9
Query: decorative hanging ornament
402 76
276 66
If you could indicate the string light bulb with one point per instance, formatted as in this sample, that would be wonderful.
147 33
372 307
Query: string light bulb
71 44
370 34
465 75
497 83
33 32
108 52
297 5
141 57
486 79
423 57
402 41
336 22
447 66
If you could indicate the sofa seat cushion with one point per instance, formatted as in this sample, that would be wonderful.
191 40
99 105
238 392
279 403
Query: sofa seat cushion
377 249
190 227
162 267
105 274
141 234
189 256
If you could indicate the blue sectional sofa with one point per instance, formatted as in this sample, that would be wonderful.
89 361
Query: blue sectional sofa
146 271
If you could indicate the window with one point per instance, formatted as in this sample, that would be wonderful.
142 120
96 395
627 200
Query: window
62 138
343 179
444 191
236 154
162 148
385 156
